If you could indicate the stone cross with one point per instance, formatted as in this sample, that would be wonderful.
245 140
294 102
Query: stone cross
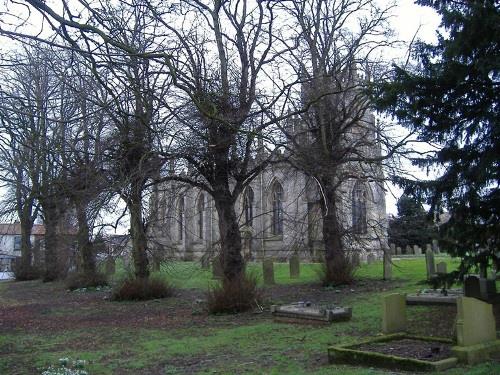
475 322
295 266
394 313
387 265
430 265
268 271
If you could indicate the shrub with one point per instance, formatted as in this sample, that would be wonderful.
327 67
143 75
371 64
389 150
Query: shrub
234 296
23 273
80 280
135 289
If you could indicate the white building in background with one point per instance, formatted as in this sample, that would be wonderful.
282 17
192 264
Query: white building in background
10 242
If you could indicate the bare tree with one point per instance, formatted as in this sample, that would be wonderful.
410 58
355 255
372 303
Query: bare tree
336 140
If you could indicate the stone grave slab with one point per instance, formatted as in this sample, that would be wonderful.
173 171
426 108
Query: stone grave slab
307 313
434 297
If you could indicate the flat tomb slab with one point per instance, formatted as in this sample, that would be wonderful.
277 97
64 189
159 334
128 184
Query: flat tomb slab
434 297
397 351
306 313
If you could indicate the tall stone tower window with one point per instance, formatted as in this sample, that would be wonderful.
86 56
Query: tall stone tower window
180 218
200 206
277 209
359 198
248 206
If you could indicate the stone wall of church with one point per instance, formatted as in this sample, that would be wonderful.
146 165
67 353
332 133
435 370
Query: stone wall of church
185 225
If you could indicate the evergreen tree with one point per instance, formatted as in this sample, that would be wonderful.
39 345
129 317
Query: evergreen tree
452 99
412 226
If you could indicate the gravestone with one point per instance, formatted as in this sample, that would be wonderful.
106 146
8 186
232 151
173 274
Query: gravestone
370 258
475 322
493 273
430 265
268 271
110 266
472 287
408 250
217 269
487 288
435 246
387 265
428 248
355 260
417 250
393 249
398 250
294 266
394 313
441 268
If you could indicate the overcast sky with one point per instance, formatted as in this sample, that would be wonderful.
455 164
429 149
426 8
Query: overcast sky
408 19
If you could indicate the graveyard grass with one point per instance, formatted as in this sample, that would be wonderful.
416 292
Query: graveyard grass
123 338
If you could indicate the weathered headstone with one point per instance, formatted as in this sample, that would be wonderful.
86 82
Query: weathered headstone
475 322
268 271
355 260
408 250
387 265
294 266
428 248
487 288
110 266
417 250
217 269
441 268
399 250
472 287
393 249
493 273
435 246
394 313
430 265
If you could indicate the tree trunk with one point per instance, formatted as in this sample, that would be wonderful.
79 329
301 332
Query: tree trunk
338 268
85 246
138 235
26 248
230 238
51 241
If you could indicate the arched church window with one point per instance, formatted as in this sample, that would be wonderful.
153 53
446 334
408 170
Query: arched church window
201 210
359 198
277 207
248 206
180 218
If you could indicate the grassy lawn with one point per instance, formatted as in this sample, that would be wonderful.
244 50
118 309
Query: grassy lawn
41 323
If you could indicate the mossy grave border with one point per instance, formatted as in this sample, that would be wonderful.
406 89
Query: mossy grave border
348 354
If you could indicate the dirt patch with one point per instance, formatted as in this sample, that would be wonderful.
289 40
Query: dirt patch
408 348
